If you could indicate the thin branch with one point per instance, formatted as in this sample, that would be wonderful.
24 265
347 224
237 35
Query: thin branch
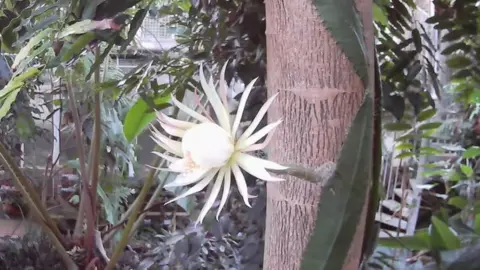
94 163
30 195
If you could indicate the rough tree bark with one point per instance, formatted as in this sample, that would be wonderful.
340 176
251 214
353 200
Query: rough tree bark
319 94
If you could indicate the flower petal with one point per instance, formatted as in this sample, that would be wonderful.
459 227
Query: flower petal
160 139
261 113
169 145
174 131
180 165
196 188
241 106
223 86
189 111
212 196
241 184
226 188
257 167
166 157
174 122
258 135
215 101
159 169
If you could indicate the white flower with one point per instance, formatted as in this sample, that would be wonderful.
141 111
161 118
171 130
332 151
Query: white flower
210 152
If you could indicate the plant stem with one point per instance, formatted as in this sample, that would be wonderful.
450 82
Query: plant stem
94 163
35 204
85 196
128 228
136 209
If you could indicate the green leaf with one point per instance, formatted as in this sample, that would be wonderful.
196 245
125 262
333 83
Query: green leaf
9 93
24 52
7 102
135 24
380 15
428 126
453 35
415 242
405 154
25 126
140 116
458 62
404 146
455 176
457 201
429 151
426 114
343 21
467 170
417 40
340 207
400 126
80 27
471 152
442 236
455 47
78 46
477 223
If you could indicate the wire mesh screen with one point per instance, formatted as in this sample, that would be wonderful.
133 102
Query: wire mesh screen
156 28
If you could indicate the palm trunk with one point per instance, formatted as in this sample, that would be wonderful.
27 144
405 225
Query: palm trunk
319 94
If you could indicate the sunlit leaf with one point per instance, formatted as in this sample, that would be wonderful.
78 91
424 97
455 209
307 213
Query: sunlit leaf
427 126
419 241
442 236
140 116
457 201
471 152
400 126
467 170
426 114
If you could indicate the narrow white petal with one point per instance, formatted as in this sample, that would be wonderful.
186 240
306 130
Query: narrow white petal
189 111
212 196
215 101
158 136
258 135
171 130
159 169
223 85
226 189
241 106
174 122
168 144
196 188
179 165
241 183
166 157
261 113
256 167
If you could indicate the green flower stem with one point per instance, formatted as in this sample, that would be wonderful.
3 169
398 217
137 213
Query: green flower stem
135 212
321 175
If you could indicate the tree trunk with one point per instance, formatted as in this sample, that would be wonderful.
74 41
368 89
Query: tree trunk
319 95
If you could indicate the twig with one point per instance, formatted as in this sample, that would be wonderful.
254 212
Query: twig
94 161
34 203
85 196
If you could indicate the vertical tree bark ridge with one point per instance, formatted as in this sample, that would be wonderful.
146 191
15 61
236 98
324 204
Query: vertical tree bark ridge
303 59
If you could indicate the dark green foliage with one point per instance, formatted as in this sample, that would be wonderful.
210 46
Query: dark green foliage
463 51
405 54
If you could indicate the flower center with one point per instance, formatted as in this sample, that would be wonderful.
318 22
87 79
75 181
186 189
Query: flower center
207 145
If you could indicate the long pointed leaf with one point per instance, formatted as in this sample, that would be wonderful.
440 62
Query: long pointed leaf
343 21
340 208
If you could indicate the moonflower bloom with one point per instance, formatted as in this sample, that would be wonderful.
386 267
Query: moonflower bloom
210 152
